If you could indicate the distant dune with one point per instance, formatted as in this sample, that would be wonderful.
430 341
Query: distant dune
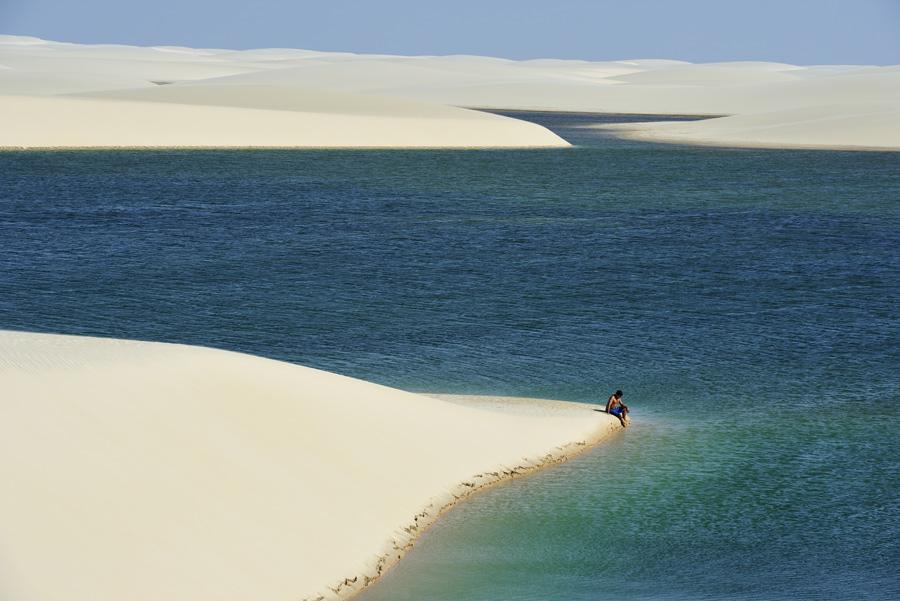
851 126
107 95
147 471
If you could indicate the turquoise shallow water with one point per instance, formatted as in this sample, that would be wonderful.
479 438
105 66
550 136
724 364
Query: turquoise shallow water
745 301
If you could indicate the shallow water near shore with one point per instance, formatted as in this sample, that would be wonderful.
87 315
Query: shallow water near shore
744 300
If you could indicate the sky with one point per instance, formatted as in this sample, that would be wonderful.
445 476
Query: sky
794 31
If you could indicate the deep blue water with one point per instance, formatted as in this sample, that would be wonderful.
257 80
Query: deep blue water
745 300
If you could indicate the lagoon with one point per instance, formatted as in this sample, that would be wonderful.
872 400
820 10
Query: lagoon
745 300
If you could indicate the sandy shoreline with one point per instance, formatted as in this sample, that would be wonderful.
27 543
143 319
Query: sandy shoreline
356 584
147 470
106 123
874 127
662 138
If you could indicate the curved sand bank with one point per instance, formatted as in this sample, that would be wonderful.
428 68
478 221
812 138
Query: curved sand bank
135 470
314 122
854 127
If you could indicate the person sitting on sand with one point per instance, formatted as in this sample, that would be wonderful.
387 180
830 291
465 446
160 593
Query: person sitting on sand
615 406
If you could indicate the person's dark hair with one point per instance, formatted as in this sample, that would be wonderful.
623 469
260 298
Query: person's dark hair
618 394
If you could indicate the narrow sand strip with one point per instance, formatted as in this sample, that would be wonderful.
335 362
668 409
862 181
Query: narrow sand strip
139 471
873 126
77 122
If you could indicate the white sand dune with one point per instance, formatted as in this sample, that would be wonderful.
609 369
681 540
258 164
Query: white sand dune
713 74
285 98
130 109
81 122
147 471
660 99
650 86
850 127
27 83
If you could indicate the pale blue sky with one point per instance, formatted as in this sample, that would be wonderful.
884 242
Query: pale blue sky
795 31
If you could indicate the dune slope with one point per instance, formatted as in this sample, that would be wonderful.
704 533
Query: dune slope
96 122
852 127
121 99
149 471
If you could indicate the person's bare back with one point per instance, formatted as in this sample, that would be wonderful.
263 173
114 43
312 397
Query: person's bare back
615 406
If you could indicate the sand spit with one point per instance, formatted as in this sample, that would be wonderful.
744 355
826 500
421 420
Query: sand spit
83 122
402 101
134 470
851 127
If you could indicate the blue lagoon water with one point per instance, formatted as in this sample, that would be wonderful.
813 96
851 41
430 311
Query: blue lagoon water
745 300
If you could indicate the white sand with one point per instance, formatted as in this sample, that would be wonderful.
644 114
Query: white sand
852 127
60 122
120 104
298 96
146 471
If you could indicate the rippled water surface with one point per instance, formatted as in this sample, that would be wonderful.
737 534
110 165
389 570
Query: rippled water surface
745 300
